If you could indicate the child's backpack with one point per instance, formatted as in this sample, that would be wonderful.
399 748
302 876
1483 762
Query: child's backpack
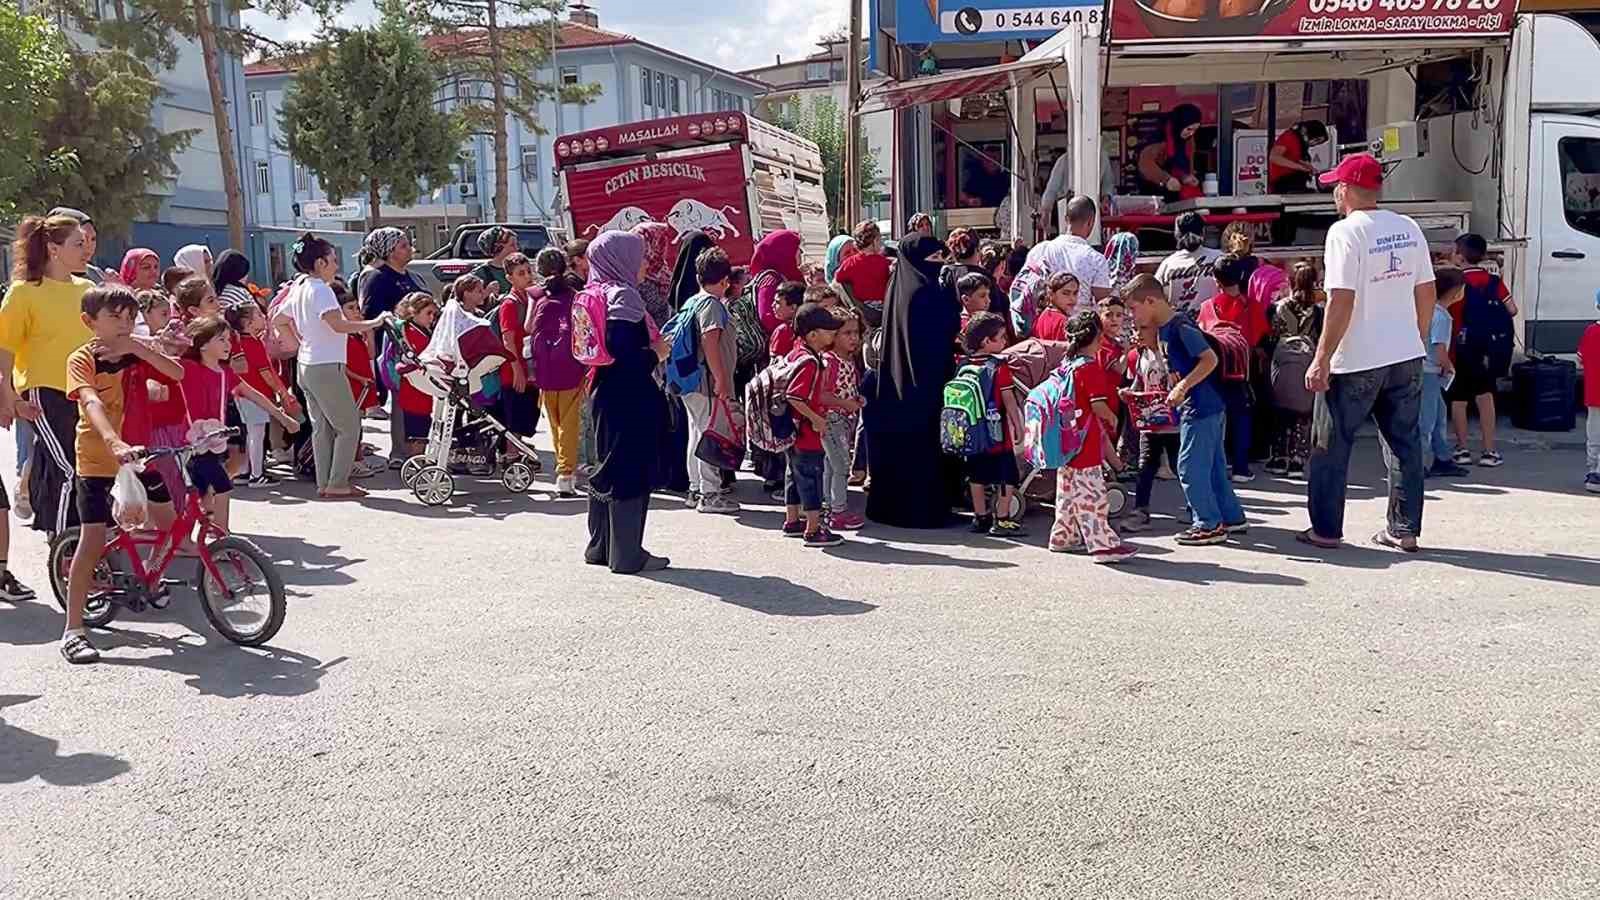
1290 360
1233 351
1487 330
1054 428
768 419
970 423
589 326
683 360
747 330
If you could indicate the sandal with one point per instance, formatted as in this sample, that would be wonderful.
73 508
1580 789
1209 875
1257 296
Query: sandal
1316 540
350 493
1385 539
77 650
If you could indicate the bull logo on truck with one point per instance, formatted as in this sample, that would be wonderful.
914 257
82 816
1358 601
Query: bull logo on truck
690 216
624 220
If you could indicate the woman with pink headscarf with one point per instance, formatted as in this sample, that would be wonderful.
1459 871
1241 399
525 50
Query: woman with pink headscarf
778 253
656 284
141 269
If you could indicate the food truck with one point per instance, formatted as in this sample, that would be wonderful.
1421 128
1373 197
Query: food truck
1483 119
734 177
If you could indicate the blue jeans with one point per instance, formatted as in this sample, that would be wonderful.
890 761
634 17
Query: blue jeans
1431 421
1392 395
1203 472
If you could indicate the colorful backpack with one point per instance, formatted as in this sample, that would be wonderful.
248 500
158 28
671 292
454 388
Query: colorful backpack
589 326
768 419
747 330
970 423
683 360
1054 428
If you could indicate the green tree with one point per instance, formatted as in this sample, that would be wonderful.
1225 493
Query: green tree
501 45
822 122
33 60
117 158
361 116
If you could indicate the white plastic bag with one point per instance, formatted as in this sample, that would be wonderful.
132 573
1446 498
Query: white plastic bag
129 502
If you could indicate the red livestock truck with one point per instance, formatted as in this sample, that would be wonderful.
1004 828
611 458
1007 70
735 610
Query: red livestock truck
734 177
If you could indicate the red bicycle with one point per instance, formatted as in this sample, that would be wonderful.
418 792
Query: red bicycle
240 590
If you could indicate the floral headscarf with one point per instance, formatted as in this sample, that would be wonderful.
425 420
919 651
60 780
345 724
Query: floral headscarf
658 255
381 242
130 265
614 260
491 239
1122 257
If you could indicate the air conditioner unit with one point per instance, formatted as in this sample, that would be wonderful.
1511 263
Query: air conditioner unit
467 189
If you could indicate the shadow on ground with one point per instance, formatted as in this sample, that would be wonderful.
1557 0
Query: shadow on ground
766 594
28 755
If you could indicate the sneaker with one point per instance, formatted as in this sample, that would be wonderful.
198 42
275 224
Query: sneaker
1278 466
1240 527
1008 528
857 478
1491 459
822 537
282 457
1137 521
1297 469
1243 477
794 529
1197 536
378 413
1118 554
848 521
1591 482
1462 457
982 524
13 590
692 499
1444 468
1067 548
566 486
718 503
77 649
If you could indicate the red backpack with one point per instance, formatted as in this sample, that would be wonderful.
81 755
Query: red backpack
1233 351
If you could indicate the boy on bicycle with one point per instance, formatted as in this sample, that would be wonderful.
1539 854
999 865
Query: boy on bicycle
107 376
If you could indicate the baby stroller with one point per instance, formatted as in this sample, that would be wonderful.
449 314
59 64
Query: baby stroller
1030 362
461 431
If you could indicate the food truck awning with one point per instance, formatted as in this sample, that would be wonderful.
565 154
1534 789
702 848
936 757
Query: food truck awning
899 94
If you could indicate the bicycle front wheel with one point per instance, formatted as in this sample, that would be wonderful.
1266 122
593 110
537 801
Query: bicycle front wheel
247 605
99 610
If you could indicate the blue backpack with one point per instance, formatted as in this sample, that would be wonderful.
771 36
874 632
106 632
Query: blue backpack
1054 428
683 359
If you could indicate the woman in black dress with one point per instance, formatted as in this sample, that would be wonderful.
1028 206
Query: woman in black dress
630 413
911 478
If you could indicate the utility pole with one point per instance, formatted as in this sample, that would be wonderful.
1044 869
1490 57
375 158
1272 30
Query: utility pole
851 195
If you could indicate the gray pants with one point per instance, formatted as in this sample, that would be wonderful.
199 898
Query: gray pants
335 423
836 443
704 478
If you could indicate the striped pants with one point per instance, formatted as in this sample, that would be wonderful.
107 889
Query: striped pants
55 458
1081 511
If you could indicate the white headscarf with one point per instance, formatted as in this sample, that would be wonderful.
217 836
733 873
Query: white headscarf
196 257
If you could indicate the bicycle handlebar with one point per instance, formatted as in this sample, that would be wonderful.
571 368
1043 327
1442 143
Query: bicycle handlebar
149 453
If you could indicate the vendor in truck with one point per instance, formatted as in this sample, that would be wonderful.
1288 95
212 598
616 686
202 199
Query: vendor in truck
1289 168
1166 165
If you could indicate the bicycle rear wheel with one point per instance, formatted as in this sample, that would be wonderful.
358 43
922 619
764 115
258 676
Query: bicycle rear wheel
99 610
247 606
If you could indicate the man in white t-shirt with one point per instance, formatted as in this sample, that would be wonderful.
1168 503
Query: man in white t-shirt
1187 273
1379 281
1072 254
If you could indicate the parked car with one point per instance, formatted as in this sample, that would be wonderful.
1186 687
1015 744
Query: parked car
461 255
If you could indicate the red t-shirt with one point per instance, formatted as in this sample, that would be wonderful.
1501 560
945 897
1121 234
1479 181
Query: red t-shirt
781 342
866 276
806 386
136 405
359 359
513 315
1289 143
1589 355
1090 383
256 361
1250 319
206 391
1051 325
1110 352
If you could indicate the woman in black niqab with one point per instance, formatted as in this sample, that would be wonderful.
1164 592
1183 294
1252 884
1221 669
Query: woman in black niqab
920 321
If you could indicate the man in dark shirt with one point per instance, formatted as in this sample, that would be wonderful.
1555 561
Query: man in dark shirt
380 289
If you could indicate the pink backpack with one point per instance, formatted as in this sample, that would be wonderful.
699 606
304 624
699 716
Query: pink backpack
589 326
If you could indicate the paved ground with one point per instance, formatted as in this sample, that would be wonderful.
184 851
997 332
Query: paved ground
456 706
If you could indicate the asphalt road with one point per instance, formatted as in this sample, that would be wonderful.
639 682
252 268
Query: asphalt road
456 706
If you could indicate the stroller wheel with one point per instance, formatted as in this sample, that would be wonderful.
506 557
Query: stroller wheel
1116 501
434 485
517 477
410 468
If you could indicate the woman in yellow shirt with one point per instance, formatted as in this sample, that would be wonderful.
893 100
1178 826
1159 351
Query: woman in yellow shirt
41 324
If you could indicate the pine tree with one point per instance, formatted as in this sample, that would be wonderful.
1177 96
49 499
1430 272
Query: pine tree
501 44
361 116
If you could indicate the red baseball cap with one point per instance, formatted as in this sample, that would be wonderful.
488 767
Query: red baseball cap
1360 169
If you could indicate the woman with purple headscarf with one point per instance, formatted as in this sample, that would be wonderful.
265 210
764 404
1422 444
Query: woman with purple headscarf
630 412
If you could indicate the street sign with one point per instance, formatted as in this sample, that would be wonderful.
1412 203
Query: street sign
321 211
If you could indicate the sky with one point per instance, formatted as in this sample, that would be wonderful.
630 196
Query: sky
700 29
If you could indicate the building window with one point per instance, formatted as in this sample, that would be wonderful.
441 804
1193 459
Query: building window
673 94
661 91
464 90
646 80
302 178
569 76
530 163
263 178
817 71
258 108
716 100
